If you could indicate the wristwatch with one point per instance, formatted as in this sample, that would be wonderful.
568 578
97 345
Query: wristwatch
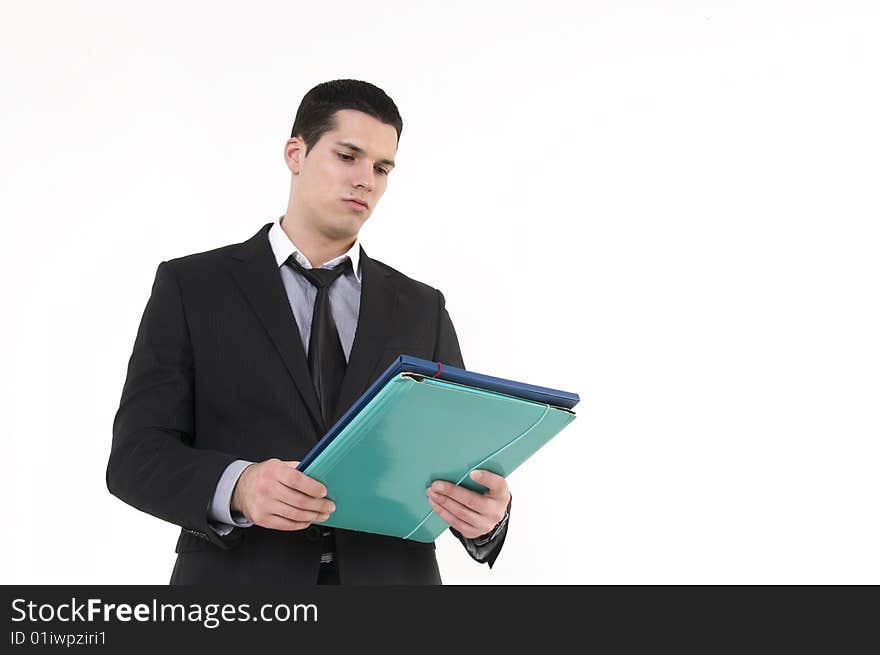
482 540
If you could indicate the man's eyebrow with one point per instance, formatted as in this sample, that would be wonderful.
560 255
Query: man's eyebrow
360 150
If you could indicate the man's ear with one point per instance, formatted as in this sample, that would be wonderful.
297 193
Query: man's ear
294 153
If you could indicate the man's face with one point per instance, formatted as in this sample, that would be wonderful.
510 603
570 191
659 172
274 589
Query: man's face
337 184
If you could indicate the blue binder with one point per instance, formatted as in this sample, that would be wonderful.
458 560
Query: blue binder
421 421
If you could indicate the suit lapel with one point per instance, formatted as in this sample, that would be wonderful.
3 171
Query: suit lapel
378 301
257 275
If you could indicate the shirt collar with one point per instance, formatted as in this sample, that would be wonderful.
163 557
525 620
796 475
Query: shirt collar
283 248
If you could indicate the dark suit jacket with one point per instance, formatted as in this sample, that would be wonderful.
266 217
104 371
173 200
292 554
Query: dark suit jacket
218 373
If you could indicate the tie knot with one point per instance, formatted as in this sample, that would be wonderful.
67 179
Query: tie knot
319 277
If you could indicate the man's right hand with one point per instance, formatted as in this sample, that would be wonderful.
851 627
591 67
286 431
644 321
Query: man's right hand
273 494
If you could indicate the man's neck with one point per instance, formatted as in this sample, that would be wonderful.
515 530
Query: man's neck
317 248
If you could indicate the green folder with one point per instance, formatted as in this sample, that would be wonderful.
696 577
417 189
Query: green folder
416 430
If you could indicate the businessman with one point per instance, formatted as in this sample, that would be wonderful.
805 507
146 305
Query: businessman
247 354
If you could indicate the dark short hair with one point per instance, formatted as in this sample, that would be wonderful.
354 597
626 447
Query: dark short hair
317 111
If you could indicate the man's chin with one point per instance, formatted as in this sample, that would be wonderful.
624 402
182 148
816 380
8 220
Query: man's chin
349 226
343 230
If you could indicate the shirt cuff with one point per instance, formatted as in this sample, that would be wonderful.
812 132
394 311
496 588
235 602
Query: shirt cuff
220 516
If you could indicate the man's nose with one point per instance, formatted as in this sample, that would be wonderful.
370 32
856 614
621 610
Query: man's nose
364 177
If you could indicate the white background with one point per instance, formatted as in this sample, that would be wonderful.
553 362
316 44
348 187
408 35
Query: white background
669 208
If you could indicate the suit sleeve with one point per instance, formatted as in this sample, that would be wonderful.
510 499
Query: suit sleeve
153 465
447 351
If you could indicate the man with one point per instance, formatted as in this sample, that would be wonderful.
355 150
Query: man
247 354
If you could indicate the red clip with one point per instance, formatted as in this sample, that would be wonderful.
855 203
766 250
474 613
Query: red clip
439 370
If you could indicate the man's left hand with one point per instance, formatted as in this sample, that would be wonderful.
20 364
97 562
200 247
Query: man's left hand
471 513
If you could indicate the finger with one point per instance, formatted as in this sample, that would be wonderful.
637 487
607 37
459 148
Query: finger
301 482
296 498
475 501
298 514
496 484
462 512
453 521
275 522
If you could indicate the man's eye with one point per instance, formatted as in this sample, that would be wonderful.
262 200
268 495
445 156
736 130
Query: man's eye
381 170
345 157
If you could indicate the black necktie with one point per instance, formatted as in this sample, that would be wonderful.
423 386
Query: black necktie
326 357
